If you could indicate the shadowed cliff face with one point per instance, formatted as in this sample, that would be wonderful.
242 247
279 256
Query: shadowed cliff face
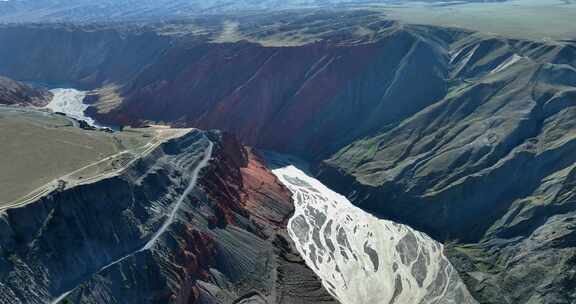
489 165
92 243
274 97
286 98
80 57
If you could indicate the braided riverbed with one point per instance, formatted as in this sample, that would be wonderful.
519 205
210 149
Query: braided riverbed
363 259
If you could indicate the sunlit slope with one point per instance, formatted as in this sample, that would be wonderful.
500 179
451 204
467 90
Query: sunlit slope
37 148
43 151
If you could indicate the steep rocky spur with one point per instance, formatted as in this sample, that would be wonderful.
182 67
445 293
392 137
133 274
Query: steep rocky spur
199 220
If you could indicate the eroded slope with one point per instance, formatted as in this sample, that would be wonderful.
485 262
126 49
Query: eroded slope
465 136
489 164
198 220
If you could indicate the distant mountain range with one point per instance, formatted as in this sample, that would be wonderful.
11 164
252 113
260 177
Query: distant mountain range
106 10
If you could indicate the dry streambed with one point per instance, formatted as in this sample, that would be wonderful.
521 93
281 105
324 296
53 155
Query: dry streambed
363 259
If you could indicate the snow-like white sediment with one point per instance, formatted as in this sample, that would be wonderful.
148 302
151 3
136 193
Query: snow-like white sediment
507 63
363 259
71 103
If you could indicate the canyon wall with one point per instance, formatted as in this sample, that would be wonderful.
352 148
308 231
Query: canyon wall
16 93
465 136
104 242
489 168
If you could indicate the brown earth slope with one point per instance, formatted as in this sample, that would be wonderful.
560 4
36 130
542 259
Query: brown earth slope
16 93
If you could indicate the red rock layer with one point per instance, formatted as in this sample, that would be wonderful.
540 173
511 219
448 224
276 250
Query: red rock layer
240 183
195 260
245 194
242 87
299 100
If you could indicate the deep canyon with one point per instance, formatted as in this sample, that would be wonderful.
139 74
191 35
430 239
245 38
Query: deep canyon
456 144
